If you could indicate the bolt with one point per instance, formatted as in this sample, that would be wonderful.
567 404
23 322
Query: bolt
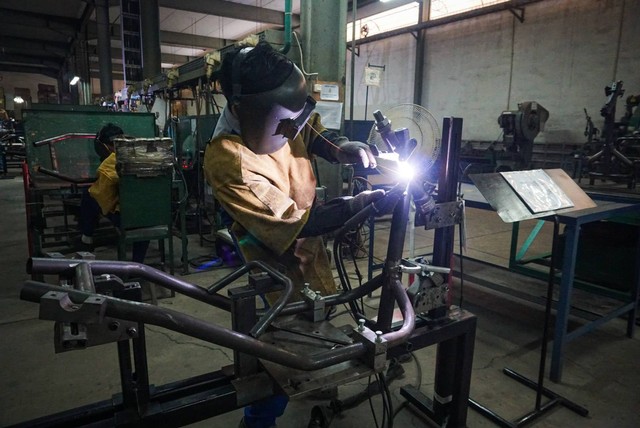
132 331
361 322
318 296
378 336
114 326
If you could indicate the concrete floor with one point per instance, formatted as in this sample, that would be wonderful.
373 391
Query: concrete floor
600 372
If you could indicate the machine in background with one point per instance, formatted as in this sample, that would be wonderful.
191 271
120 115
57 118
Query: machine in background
520 128
619 156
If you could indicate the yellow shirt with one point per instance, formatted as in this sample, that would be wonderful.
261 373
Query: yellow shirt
105 188
269 197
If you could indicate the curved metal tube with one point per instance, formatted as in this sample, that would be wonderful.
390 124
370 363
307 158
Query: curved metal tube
63 177
176 321
396 337
128 270
267 318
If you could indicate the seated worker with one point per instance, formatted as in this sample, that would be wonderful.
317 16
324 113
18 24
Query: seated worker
102 197
258 164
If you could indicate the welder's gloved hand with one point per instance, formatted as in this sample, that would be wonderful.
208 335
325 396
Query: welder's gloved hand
353 152
362 199
334 214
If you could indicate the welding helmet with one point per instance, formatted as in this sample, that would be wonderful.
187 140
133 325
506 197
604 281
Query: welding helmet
268 119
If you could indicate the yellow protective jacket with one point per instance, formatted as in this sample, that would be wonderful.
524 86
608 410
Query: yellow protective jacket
269 197
105 188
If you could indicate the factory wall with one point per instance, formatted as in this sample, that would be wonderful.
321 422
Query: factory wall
9 81
562 55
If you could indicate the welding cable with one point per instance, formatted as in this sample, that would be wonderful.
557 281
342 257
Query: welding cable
373 411
390 199
386 392
207 263
461 300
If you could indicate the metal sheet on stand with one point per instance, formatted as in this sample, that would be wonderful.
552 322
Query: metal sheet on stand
511 208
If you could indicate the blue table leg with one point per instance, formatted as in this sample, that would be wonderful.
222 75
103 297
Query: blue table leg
564 301
635 294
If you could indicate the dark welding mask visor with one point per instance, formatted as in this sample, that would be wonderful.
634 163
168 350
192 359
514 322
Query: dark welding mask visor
268 119
290 128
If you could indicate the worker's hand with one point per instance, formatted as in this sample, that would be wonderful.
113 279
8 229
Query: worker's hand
355 152
362 199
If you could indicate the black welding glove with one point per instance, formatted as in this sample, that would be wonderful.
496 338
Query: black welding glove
335 213
336 149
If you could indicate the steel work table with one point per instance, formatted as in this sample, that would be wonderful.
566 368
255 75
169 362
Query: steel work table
573 221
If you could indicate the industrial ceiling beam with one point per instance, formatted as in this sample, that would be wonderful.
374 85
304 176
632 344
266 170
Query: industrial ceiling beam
29 60
33 33
24 45
227 9
190 40
116 54
66 26
167 38
49 72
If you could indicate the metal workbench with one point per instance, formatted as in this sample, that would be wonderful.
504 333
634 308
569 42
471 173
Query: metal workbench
573 221
566 277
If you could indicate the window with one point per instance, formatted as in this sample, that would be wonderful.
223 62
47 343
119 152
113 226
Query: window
442 8
408 14
393 19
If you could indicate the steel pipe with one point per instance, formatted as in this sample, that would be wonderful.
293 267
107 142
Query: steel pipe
176 321
83 279
401 335
127 270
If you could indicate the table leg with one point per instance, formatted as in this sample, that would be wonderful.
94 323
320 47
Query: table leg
564 301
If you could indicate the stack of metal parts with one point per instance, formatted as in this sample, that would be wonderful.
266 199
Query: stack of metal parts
144 156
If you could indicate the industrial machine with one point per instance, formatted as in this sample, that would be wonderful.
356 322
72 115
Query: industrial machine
290 348
619 156
520 127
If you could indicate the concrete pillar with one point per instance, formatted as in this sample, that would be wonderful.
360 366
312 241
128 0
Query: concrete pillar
323 24
150 32
104 48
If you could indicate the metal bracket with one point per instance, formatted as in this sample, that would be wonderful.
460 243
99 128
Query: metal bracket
514 11
443 214
376 358
81 325
317 303
57 306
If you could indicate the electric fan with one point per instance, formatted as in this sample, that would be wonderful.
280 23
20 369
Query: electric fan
421 126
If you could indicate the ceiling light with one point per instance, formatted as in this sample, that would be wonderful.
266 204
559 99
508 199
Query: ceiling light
75 80
18 99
